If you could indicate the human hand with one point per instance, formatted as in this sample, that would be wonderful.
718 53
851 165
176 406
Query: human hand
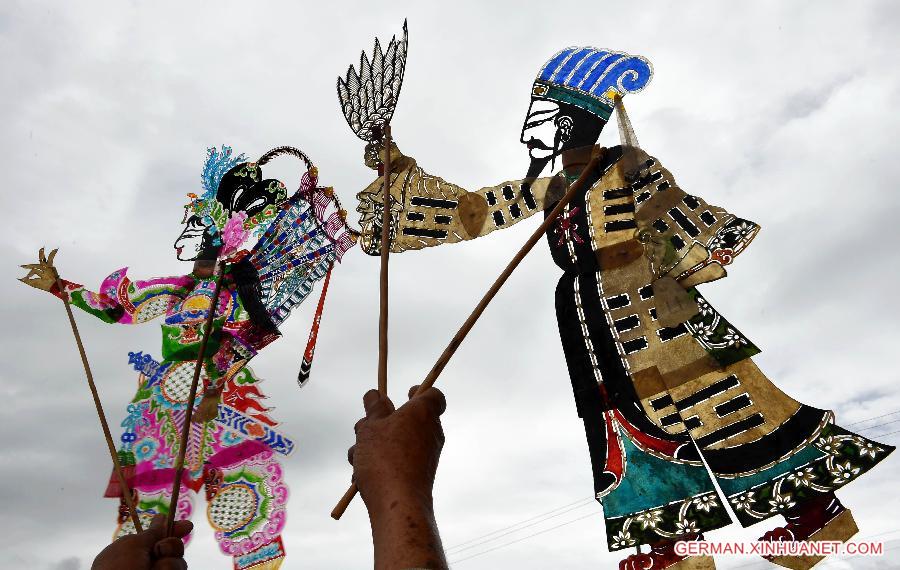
41 275
396 454
394 462
148 550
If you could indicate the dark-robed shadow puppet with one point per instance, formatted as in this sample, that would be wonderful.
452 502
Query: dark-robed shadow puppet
659 376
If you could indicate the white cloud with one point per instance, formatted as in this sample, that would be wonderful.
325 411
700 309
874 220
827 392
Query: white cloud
783 113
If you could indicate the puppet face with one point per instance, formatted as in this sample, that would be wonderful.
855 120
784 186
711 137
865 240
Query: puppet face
552 128
190 243
546 129
208 221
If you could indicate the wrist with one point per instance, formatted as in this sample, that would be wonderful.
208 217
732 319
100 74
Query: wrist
384 502
404 534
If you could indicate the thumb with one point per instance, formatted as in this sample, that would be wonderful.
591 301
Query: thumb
182 528
157 531
153 534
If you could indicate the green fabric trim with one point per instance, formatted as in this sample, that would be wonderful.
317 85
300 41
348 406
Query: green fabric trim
700 513
578 98
111 315
846 456
173 349
724 342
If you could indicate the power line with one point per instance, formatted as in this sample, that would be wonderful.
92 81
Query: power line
516 527
582 500
879 425
525 537
886 434
875 418
458 550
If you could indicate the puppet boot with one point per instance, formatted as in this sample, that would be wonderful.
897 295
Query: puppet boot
662 555
822 518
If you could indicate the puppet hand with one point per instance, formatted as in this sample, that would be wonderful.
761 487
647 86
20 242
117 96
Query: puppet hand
41 275
396 454
149 550
373 156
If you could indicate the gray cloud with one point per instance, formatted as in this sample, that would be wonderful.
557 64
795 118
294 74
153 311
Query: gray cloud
783 113
67 564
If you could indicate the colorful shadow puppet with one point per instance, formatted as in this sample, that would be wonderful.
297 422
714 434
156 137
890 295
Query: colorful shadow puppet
233 449
660 377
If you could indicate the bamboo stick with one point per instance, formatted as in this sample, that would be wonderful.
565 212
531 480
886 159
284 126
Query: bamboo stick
117 467
460 335
186 429
385 254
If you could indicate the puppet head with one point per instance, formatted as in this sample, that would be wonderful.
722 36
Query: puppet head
573 97
236 204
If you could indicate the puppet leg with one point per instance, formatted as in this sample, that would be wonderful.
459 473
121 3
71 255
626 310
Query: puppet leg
652 484
768 452
657 499
247 504
148 463
772 455
156 502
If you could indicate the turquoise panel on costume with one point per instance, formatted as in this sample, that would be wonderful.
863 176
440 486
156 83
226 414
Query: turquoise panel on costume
741 484
652 482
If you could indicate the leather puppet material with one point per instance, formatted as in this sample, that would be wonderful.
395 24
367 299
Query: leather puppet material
660 377
235 456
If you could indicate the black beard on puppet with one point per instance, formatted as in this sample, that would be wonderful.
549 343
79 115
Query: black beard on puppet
575 128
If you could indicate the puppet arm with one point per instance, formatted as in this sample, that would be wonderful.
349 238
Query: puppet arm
121 300
684 237
427 210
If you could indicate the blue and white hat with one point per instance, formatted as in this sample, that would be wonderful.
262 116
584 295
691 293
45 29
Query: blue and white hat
591 78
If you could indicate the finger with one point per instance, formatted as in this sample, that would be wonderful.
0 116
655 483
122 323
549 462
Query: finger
169 548
370 398
182 528
358 425
52 255
350 453
157 531
412 392
41 257
433 400
153 534
377 406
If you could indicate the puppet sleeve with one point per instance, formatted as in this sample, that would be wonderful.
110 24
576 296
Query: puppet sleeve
427 210
121 300
684 237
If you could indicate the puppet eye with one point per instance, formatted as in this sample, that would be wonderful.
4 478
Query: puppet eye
257 202
235 199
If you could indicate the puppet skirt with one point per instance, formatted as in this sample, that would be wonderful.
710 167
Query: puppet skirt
232 458
765 450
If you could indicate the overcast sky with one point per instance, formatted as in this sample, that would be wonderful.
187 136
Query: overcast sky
784 113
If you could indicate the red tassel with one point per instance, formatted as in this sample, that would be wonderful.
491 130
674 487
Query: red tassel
306 364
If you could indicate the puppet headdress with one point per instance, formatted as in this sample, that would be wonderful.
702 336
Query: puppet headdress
591 78
218 162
